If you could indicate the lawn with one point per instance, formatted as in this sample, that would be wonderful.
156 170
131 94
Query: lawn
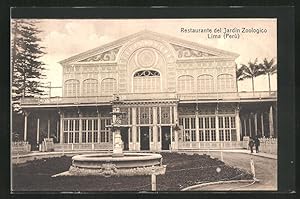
182 170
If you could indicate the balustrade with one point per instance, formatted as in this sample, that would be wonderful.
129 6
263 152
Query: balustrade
150 96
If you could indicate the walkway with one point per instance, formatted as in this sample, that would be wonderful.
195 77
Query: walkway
265 169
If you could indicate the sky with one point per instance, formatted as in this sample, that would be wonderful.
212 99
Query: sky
64 38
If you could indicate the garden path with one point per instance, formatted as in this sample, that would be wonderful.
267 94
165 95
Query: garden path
265 169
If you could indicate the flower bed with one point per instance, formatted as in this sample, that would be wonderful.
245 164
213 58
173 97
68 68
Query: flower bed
182 171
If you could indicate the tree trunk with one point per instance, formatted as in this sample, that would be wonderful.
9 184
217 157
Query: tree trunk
252 85
237 85
269 83
24 84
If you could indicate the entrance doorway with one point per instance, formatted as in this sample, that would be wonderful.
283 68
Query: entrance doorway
165 137
124 137
144 135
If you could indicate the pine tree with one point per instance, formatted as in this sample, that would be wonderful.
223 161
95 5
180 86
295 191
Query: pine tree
27 68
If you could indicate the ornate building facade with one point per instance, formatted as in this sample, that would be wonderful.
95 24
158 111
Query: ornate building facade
175 95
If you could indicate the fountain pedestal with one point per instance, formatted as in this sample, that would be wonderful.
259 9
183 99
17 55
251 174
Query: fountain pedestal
118 144
116 130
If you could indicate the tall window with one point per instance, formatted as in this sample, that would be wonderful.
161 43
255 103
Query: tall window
71 131
108 86
227 128
166 115
89 131
207 128
144 115
189 128
225 83
90 87
146 81
104 130
205 84
66 131
71 88
185 84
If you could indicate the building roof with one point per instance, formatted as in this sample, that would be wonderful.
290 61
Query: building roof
146 34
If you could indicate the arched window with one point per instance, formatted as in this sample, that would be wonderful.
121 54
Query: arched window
108 86
146 81
71 88
225 82
90 87
185 84
205 84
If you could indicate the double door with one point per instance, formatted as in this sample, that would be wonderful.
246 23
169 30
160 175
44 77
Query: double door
146 137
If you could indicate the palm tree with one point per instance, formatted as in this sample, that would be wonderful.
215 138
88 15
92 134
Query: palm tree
251 70
269 68
239 75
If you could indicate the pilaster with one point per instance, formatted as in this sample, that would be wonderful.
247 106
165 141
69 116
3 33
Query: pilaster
271 122
134 128
155 128
237 123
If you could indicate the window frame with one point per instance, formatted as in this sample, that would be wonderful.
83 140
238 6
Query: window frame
205 83
146 83
185 84
72 88
225 83
90 87
108 88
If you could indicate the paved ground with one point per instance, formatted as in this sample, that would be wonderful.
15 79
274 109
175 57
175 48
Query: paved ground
265 168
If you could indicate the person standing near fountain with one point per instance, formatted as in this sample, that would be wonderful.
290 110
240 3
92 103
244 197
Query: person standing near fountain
251 144
256 143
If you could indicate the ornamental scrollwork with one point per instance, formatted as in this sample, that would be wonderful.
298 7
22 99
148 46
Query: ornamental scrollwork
183 52
229 109
110 55
145 73
186 110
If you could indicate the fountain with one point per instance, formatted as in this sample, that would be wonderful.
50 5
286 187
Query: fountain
117 163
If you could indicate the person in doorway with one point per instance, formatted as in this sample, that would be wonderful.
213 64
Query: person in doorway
251 144
256 143
166 142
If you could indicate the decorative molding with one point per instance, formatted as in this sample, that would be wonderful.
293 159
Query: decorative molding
146 43
144 73
147 58
184 52
226 108
186 110
110 55
149 103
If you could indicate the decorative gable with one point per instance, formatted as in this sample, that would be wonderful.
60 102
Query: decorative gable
110 55
184 52
184 49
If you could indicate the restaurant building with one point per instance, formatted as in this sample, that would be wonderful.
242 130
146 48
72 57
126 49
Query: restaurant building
175 95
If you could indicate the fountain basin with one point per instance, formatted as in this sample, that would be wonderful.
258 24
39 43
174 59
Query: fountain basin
127 165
